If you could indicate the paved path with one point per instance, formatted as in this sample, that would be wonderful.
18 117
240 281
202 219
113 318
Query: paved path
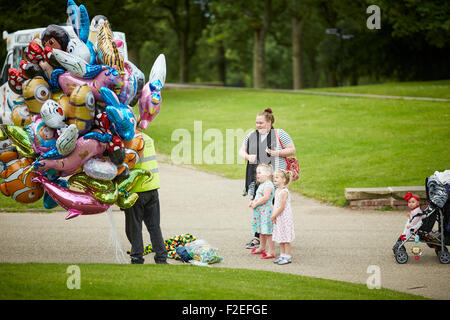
333 243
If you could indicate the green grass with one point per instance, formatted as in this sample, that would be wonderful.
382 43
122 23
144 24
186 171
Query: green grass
431 89
7 204
182 282
341 141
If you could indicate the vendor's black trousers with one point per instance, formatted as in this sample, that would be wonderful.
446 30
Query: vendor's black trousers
146 209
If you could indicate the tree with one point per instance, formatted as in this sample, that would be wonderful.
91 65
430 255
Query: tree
187 20
300 11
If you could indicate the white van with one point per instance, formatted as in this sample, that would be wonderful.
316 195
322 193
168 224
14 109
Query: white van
15 44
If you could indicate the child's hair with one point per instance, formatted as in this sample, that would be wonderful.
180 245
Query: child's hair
266 167
409 195
287 176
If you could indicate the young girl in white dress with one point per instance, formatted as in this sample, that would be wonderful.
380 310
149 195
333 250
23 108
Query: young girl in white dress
283 221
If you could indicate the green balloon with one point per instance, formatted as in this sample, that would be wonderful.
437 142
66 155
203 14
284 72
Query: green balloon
127 202
107 197
19 137
128 183
83 181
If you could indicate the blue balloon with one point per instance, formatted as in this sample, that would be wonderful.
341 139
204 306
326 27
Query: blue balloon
120 115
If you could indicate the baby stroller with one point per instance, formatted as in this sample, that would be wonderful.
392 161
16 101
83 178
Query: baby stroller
437 210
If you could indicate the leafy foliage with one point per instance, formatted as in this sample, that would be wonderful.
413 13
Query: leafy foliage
212 41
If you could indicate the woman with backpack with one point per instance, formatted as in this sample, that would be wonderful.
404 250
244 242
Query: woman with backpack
268 146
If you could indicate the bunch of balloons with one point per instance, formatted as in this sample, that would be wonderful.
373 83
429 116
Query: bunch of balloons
71 118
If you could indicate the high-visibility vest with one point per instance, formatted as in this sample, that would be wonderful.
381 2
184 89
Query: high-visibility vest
147 162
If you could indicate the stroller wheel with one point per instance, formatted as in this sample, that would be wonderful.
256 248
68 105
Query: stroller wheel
444 257
401 256
438 251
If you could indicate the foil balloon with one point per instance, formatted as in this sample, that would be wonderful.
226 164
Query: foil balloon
65 143
150 101
123 121
17 181
133 152
7 150
5 109
108 77
81 108
53 115
140 78
79 49
35 92
21 140
126 200
83 181
76 203
147 109
67 140
3 135
130 85
107 197
158 71
125 185
79 19
100 168
81 46
71 164
96 23
107 51
42 136
48 201
20 115
104 191
76 65
15 80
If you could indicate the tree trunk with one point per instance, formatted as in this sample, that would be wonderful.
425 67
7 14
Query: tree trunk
258 57
332 80
297 30
354 78
259 51
221 63
184 58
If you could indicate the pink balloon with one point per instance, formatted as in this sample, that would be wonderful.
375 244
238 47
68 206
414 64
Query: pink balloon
147 110
43 137
77 203
109 78
84 150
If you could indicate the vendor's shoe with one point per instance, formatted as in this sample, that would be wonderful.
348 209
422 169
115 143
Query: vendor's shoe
137 261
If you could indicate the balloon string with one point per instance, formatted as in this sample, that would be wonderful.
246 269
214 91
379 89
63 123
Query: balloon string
114 238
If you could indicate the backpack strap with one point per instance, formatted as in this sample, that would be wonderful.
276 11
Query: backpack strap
287 163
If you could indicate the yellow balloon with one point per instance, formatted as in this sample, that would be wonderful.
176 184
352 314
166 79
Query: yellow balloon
107 50
80 108
35 92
